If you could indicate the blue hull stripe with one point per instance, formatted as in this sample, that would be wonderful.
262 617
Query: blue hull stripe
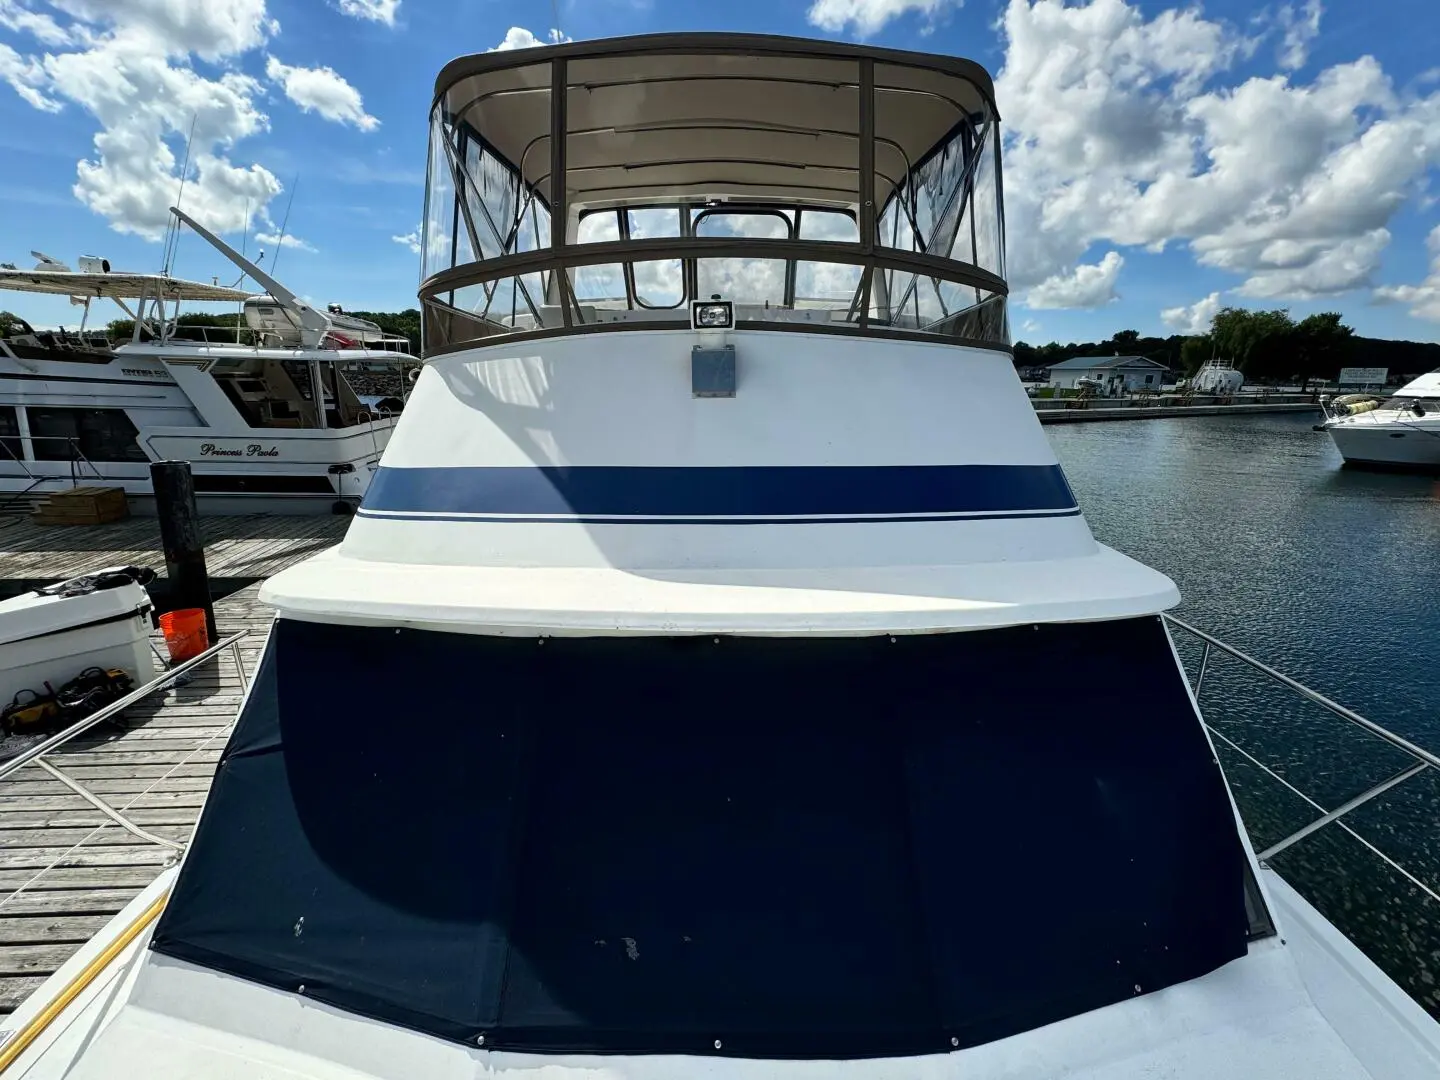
739 494
573 519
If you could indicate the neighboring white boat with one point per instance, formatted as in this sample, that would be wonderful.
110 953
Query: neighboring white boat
74 411
1401 431
1217 377
721 717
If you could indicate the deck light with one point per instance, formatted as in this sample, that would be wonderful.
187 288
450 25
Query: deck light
715 314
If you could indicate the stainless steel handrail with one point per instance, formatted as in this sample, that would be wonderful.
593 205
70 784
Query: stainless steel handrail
120 704
1423 759
1300 688
72 444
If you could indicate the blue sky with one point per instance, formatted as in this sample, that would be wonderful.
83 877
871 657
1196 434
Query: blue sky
1162 160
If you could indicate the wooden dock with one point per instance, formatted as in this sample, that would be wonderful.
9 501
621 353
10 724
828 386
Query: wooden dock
252 546
65 867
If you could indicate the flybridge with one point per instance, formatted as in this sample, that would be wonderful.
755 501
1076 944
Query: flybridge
704 310
815 185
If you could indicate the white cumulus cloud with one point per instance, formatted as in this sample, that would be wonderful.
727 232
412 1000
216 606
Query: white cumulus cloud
517 37
1086 286
146 107
1124 130
410 240
270 239
1304 272
26 76
14 15
1298 29
866 17
1423 299
211 29
381 11
321 90
1194 318
131 66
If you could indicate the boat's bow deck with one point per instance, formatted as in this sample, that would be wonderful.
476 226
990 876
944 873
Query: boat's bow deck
1254 1019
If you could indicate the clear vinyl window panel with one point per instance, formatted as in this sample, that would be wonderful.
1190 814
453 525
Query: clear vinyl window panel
656 283
947 202
602 283
825 285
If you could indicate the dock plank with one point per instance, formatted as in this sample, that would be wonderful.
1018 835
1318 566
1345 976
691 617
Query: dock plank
240 545
15 990
39 960
70 902
21 839
65 867
112 855
43 929
78 877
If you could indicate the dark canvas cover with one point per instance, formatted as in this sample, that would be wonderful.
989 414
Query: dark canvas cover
793 848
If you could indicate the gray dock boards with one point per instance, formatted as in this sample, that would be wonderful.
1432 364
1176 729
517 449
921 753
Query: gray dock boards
236 546
65 867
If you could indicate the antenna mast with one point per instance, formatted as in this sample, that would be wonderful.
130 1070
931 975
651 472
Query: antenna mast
172 233
284 223
244 243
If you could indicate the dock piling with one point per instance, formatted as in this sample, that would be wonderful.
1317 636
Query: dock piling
180 538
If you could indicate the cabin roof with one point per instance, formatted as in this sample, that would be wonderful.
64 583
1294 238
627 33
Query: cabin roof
1107 363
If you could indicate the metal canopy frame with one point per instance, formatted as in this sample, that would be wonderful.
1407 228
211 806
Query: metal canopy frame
529 175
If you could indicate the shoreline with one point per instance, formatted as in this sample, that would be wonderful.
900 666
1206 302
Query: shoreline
1089 412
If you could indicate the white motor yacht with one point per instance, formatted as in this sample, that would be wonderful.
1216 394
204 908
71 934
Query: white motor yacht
1401 431
240 405
720 722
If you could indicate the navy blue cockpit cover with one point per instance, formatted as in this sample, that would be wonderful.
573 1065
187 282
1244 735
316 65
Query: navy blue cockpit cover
823 848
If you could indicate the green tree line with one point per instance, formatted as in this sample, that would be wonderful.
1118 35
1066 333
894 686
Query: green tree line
1268 346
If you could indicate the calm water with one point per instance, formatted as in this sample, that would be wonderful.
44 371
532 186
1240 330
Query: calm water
1330 575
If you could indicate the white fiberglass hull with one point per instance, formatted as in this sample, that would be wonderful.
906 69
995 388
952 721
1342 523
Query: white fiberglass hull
1385 439
249 471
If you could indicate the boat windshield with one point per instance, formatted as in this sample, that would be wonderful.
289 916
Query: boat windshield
1420 406
762 847
814 185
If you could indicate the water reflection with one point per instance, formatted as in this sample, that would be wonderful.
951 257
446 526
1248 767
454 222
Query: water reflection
1331 575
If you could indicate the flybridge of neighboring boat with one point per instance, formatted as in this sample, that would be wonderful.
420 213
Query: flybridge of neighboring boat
723 599
241 405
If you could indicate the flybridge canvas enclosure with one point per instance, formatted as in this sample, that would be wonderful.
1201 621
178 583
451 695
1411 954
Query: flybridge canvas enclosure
810 183
804 848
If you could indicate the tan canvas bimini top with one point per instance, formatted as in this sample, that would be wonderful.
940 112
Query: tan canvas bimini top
653 115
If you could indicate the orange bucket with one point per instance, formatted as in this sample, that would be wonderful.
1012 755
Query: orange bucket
185 633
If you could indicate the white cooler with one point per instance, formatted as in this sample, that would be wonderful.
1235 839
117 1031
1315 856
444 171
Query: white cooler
54 638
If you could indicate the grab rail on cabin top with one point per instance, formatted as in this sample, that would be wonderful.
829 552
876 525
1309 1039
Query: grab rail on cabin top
1422 759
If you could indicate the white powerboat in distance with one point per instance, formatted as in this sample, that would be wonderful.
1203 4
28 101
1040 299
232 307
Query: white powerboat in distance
268 420
1398 432
715 744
